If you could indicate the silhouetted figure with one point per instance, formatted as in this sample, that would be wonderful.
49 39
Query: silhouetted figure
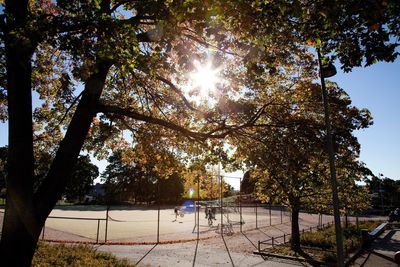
176 210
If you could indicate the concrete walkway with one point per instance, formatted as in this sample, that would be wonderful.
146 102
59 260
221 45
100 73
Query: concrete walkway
215 252
382 250
227 250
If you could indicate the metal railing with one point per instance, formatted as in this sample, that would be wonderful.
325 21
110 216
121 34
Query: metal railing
285 238
80 218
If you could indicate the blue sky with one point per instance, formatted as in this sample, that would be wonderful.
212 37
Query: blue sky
376 88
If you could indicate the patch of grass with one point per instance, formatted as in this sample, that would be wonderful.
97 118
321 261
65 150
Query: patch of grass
325 238
52 255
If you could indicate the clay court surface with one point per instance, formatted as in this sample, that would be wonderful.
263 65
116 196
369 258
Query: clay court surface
132 233
139 224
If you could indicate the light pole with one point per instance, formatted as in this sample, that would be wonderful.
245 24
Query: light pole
154 180
326 72
381 193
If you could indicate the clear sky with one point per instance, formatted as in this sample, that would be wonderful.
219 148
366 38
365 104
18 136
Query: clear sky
376 88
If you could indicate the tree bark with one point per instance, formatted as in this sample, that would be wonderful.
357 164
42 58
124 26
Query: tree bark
19 237
20 228
295 240
26 212
61 169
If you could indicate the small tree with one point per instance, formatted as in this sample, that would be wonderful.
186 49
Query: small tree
82 179
248 185
128 180
289 162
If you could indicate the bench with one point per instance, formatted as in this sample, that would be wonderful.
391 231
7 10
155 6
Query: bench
378 230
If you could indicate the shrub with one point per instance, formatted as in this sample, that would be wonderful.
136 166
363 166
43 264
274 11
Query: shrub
74 255
325 238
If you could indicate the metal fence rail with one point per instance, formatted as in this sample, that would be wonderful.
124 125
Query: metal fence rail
79 218
285 239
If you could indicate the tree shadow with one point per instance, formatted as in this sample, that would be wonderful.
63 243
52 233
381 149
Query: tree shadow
144 256
254 245
307 257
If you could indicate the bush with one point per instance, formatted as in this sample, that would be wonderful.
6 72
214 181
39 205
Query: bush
320 245
326 239
74 255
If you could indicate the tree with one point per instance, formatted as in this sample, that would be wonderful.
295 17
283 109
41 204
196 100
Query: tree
98 45
355 32
83 174
82 179
85 35
248 185
384 190
351 31
3 171
209 182
288 163
172 189
130 58
127 181
137 181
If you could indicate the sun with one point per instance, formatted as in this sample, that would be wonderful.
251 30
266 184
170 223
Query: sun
205 78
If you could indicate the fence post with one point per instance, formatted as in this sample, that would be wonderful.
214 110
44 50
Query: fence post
256 217
272 241
105 235
284 238
270 219
98 230
259 246
240 205
281 215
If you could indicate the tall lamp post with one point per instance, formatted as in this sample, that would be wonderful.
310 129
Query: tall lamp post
326 72
381 190
154 180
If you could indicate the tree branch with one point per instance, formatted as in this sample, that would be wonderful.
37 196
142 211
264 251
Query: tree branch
219 132
177 91
208 45
137 116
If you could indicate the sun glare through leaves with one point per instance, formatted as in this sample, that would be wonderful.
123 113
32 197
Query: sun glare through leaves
203 82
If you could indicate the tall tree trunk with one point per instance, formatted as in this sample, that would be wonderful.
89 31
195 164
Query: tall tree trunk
20 225
25 212
19 237
295 240
60 171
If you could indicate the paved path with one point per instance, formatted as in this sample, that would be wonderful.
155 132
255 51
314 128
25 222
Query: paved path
382 250
213 252
233 250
